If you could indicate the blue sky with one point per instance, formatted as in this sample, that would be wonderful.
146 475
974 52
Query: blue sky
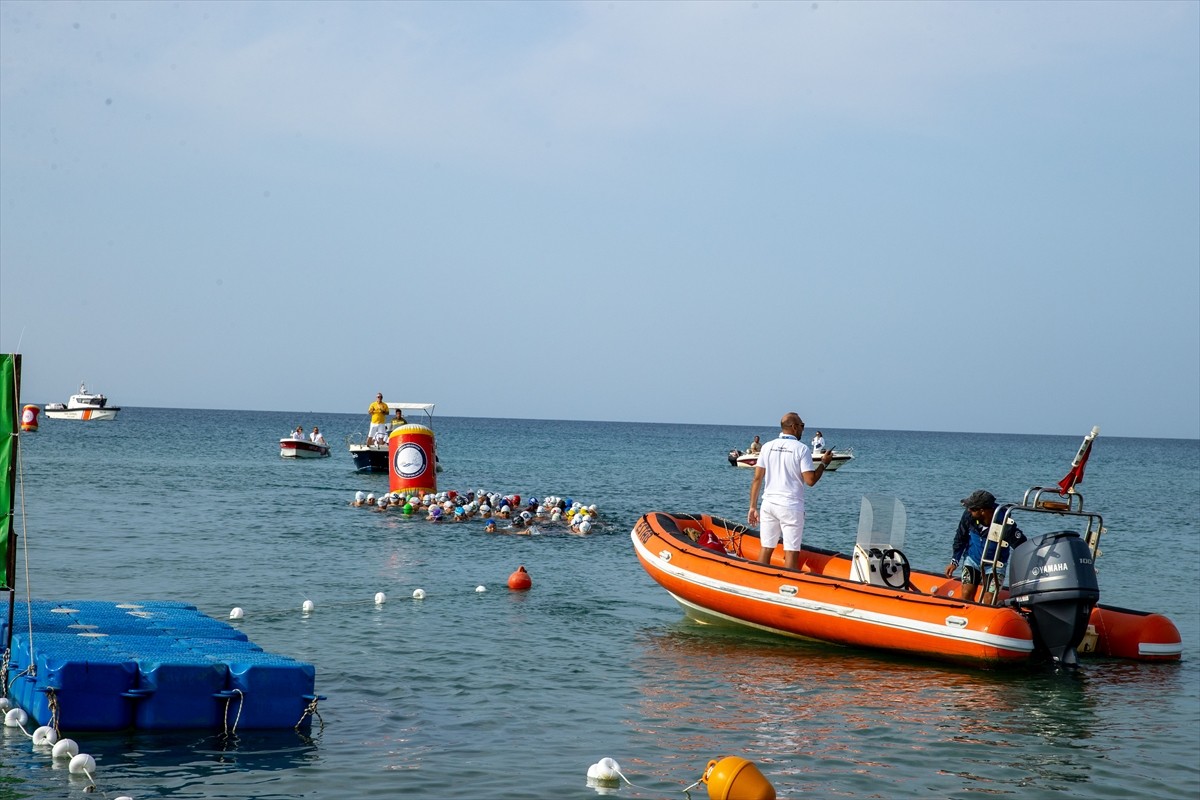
915 216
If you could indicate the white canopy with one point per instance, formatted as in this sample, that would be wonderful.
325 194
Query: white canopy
426 407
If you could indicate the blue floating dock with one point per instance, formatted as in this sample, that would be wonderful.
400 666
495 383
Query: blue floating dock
148 665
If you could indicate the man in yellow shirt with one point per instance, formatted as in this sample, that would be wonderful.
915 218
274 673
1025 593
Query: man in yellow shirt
378 412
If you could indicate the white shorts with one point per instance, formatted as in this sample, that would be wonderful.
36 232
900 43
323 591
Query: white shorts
378 427
775 521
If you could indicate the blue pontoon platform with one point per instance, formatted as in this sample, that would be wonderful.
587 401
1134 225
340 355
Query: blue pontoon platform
90 665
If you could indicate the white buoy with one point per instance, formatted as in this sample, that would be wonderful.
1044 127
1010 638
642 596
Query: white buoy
5 704
480 589
65 748
418 594
236 613
380 598
15 718
44 736
607 769
307 606
82 763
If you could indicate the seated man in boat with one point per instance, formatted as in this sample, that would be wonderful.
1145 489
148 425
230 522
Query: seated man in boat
755 446
316 437
399 419
979 509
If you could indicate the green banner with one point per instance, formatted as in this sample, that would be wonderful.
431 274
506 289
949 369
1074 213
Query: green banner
10 413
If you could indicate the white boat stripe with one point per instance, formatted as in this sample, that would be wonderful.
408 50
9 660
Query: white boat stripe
872 617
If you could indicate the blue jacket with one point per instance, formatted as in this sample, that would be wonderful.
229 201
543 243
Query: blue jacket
968 530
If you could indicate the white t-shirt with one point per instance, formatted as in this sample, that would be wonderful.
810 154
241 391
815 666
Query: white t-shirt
783 460
317 438
818 442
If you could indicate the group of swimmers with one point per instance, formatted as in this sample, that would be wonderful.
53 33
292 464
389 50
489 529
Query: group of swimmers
500 513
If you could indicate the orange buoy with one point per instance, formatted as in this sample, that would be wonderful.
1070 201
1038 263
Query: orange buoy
29 421
412 460
520 581
734 778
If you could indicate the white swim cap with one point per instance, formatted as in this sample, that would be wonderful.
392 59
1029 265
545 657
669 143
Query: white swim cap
360 496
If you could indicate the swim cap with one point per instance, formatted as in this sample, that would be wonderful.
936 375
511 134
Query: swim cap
360 496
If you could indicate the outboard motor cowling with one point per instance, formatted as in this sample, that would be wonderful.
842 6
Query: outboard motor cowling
1053 582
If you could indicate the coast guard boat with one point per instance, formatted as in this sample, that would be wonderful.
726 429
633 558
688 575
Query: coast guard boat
872 598
84 406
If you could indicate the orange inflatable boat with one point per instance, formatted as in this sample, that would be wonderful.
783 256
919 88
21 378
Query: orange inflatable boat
873 599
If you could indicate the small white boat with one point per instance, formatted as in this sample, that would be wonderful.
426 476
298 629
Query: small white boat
302 448
84 406
749 460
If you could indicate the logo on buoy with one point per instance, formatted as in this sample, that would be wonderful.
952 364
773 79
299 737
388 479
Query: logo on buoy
409 461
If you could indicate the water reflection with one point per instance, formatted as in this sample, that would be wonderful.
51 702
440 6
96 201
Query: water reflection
810 712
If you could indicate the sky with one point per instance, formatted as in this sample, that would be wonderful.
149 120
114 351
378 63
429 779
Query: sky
976 217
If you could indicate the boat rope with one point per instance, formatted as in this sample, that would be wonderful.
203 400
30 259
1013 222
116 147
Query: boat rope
4 670
24 536
8 686
52 702
241 702
310 710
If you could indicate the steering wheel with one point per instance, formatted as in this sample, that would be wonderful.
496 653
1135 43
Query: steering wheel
894 568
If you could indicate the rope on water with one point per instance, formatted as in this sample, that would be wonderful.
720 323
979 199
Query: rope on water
52 702
310 710
241 704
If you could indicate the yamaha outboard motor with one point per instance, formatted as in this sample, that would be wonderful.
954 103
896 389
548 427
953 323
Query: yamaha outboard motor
1053 582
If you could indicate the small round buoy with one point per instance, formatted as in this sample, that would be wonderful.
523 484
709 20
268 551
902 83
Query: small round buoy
5 704
734 778
605 772
418 594
520 581
65 748
15 718
307 606
82 763
380 598
480 589
44 736
236 613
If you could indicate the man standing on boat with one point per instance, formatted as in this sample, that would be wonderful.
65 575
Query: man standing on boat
378 411
784 468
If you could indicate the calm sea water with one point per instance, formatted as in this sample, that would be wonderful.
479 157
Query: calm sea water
514 695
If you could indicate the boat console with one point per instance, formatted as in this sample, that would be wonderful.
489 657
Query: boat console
878 559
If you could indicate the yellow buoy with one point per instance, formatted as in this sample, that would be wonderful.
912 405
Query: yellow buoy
734 778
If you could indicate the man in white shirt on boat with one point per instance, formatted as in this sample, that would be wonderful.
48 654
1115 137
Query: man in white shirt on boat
784 468
316 437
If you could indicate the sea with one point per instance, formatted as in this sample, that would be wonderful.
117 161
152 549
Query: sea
491 693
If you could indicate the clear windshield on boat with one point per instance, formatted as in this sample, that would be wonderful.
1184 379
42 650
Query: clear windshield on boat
881 522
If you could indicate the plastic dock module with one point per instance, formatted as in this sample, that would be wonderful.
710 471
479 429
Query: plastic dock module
92 665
